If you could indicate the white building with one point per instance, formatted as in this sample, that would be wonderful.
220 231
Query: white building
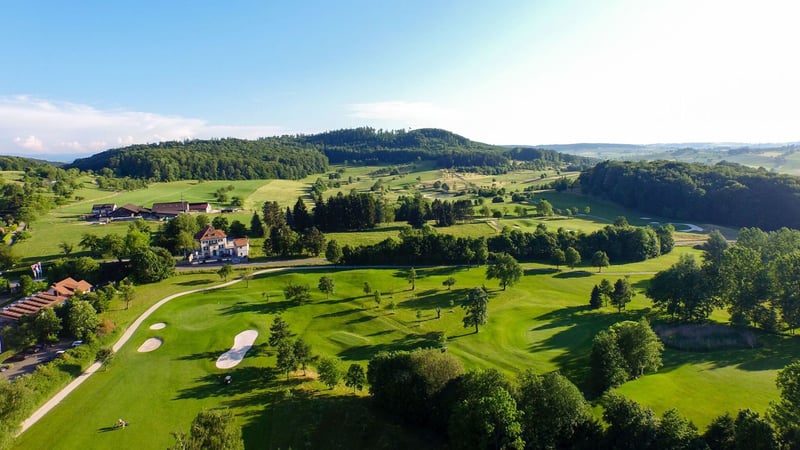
215 244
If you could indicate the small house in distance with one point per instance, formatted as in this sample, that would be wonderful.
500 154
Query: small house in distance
216 245
202 207
103 209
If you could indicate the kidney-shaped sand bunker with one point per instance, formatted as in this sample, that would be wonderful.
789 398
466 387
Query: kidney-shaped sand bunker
149 345
241 344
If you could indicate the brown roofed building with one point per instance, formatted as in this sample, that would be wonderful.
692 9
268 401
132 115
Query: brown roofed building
129 211
202 207
69 287
215 244
57 294
171 209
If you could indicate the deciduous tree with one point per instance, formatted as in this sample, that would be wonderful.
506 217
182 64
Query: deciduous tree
504 268
355 377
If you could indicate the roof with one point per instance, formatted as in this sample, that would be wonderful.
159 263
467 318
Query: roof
241 242
68 287
129 209
209 232
104 205
198 206
170 208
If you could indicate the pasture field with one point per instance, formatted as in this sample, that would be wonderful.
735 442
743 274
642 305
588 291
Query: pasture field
542 323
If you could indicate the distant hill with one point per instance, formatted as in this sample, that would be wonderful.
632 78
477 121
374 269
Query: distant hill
298 156
781 158
20 163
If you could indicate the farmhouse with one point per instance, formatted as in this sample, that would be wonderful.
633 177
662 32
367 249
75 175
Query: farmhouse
56 295
202 207
103 209
215 244
129 211
170 210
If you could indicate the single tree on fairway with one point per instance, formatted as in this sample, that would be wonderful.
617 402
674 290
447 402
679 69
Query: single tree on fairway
559 258
606 288
506 269
573 257
477 308
303 355
596 299
600 260
326 285
279 332
287 359
298 293
367 288
449 282
411 276
329 371
377 296
622 294
355 377
225 271
333 252
211 430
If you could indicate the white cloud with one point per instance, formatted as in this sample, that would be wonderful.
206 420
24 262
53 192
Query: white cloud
407 114
42 128
29 143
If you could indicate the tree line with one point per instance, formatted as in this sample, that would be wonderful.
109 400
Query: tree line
724 194
755 279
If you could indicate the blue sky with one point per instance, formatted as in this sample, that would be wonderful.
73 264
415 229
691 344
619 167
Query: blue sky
81 77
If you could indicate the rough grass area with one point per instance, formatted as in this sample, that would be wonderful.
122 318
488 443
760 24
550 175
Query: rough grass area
705 337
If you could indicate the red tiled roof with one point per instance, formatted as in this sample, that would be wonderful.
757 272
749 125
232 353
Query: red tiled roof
241 242
209 232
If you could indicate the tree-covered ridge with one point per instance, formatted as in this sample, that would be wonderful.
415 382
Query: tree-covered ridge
20 163
218 159
297 156
725 194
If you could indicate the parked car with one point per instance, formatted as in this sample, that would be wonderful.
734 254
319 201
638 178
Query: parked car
77 344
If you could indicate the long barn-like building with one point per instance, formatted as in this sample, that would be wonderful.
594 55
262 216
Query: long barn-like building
56 295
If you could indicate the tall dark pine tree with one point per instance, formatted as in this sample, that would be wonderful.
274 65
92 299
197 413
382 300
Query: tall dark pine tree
302 219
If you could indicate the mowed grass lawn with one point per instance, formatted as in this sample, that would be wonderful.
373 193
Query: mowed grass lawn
542 323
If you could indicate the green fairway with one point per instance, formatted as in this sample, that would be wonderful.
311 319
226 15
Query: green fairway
542 323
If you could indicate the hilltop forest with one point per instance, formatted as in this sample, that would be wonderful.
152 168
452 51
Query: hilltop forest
725 193
294 157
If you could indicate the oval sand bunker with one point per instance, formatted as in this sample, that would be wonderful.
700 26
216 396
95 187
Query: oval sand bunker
158 326
241 344
149 345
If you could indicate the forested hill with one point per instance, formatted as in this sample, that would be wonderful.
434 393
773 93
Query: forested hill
724 194
300 155
218 159
20 163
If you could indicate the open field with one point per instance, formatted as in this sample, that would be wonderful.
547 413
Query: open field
543 323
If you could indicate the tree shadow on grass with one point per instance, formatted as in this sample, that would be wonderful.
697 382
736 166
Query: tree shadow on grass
325 420
431 298
541 271
407 343
275 307
573 274
342 313
243 380
196 282
575 328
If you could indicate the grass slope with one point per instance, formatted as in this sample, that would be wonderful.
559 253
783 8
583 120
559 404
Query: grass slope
543 323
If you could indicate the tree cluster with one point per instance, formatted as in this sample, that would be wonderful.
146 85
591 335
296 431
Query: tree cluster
619 243
624 351
725 193
419 247
756 280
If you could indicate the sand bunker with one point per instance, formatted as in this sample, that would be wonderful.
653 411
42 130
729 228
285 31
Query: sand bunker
241 344
149 345
158 326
